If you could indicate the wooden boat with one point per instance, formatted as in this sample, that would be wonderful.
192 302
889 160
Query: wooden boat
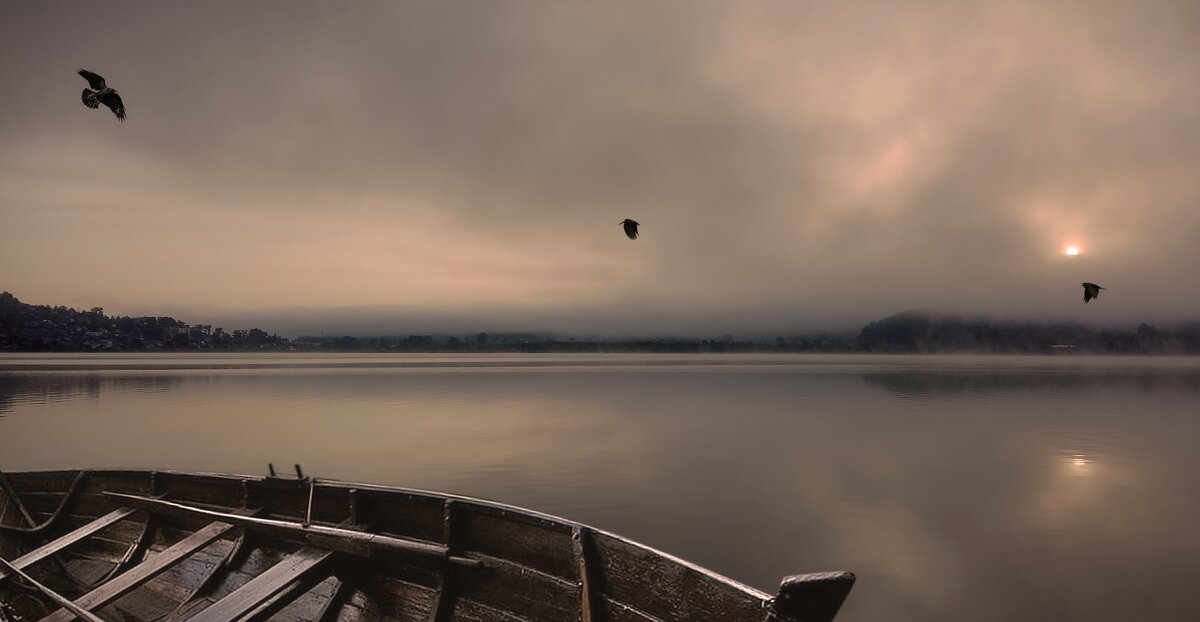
125 545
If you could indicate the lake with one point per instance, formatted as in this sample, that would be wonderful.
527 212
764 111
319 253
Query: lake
964 488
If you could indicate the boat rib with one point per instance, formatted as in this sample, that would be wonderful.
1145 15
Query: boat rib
202 547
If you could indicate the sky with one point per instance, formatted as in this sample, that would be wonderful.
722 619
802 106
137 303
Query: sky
397 167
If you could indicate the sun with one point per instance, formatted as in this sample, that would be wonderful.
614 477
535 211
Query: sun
1071 250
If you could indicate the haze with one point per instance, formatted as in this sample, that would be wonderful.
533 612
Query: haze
461 166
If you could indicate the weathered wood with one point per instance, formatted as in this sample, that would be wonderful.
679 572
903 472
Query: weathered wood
588 602
620 612
403 512
287 593
49 593
83 503
440 611
6 612
407 564
812 597
207 578
236 553
529 541
261 588
34 526
330 604
38 503
14 500
521 591
144 571
62 543
208 488
352 510
131 552
136 550
312 488
306 600
345 540
43 481
652 583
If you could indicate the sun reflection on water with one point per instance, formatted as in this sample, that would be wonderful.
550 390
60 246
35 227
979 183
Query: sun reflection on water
1080 465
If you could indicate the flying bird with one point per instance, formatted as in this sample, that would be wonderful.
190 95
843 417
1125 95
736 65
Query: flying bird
1090 291
630 228
101 95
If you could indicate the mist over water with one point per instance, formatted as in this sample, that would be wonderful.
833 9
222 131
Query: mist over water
957 487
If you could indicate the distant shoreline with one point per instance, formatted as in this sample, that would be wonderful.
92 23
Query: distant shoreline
40 328
468 362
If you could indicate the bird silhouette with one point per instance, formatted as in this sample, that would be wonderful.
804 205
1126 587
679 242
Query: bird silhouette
630 228
101 95
1090 291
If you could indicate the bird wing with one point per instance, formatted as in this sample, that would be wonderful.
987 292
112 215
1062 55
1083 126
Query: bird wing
631 229
94 80
112 100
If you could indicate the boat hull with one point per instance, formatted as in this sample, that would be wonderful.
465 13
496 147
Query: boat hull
146 545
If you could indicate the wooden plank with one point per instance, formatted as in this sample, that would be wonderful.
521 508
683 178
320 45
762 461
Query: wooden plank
49 593
414 515
354 512
136 550
287 593
58 545
329 605
143 572
261 588
588 609
541 545
208 489
312 490
523 592
666 589
358 543
440 611
207 577
301 601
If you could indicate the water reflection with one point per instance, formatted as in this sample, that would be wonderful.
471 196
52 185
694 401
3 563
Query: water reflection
989 493
923 384
24 388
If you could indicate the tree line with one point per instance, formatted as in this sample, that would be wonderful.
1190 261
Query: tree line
40 328
913 332
903 333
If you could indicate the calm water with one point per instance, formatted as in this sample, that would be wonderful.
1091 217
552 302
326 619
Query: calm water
957 488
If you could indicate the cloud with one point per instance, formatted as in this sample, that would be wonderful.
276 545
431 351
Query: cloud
790 164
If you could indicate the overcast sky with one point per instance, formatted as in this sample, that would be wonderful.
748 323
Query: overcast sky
448 166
